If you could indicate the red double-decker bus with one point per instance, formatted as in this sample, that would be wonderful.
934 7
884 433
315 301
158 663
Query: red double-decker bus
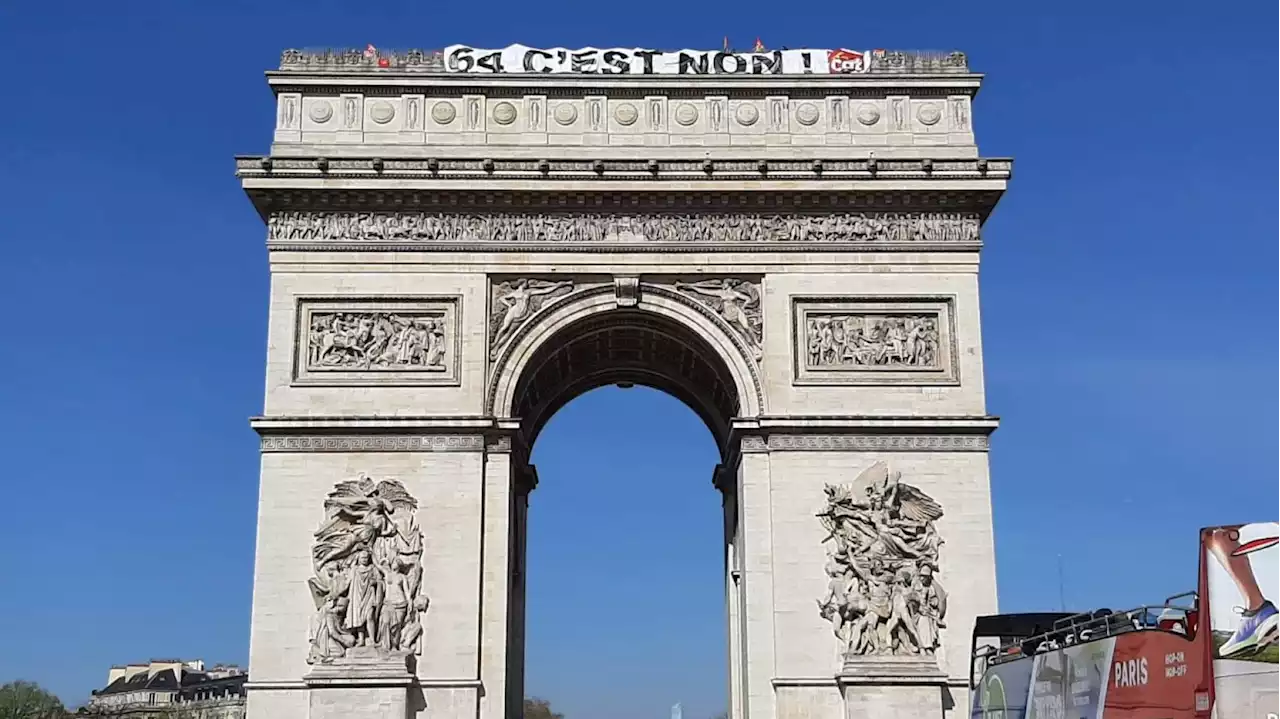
1207 654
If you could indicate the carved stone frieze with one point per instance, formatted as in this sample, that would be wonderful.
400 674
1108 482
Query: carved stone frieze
376 342
883 597
874 340
746 228
514 302
373 443
735 301
368 584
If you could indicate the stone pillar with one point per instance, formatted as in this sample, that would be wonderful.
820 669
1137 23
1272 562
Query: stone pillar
882 557
725 480
524 480
495 593
756 560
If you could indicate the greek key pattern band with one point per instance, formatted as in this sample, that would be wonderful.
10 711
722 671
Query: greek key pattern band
366 443
868 443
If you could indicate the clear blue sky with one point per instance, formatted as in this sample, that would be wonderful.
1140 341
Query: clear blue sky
1128 277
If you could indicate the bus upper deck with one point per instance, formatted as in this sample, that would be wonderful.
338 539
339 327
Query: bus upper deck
1201 654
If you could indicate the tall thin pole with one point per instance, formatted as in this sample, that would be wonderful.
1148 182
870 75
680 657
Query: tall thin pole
1062 596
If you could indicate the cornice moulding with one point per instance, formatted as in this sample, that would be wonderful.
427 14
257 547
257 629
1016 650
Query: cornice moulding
657 198
834 682
443 425
292 80
466 424
532 182
373 443
598 248
275 685
865 442
885 155
840 171
868 424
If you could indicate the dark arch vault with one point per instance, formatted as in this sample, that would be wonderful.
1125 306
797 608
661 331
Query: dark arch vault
620 347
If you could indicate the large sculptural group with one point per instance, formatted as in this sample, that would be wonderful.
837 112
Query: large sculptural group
368 572
883 597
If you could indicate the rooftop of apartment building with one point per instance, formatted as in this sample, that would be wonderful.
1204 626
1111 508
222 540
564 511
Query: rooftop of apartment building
169 675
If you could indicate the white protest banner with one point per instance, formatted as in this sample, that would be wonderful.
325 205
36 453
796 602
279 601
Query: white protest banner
519 59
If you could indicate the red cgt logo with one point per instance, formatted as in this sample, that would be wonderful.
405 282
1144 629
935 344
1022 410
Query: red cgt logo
1255 545
845 61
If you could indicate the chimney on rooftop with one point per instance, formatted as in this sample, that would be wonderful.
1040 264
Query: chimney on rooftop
159 665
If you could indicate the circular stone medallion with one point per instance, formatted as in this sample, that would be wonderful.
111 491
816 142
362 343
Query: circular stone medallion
504 113
686 114
321 112
565 114
747 114
626 114
807 113
382 112
929 114
868 114
443 112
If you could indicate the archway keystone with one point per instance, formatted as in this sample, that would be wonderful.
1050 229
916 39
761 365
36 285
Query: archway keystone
457 249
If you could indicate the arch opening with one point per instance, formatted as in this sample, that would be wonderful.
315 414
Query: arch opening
624 536
626 346
591 344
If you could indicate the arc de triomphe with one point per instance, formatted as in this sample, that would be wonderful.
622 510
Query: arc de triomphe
462 241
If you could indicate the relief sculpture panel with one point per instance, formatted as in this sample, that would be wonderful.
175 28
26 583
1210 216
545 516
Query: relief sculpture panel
874 341
736 302
355 342
883 597
368 585
514 302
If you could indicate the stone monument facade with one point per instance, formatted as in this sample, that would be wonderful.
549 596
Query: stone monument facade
462 241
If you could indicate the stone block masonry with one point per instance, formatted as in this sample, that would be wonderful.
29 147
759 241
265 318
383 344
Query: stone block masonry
454 255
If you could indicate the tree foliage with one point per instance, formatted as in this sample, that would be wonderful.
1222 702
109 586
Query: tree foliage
535 708
27 700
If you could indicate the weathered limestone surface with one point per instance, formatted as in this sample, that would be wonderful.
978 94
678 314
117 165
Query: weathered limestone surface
803 273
